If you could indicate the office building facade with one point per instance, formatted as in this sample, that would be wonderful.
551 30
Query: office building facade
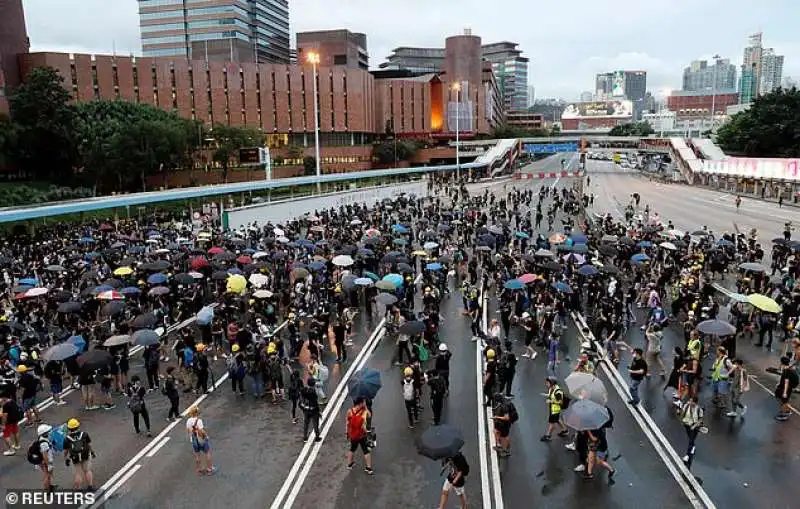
630 85
762 70
13 41
334 47
701 76
222 30
697 104
419 60
511 70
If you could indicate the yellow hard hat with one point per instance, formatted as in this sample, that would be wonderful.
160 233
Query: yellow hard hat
73 423
490 354
235 348
22 368
408 372
272 348
200 347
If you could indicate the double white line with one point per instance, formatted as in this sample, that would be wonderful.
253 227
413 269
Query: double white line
491 488
697 496
302 466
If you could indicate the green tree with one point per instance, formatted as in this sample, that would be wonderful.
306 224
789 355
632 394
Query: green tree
309 166
633 129
390 151
44 120
228 140
8 141
770 128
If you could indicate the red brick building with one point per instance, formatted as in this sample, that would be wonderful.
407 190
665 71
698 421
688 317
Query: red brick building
691 105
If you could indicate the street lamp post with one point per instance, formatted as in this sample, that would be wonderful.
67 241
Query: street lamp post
714 90
313 59
457 88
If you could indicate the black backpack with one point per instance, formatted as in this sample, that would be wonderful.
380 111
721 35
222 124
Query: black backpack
512 412
35 456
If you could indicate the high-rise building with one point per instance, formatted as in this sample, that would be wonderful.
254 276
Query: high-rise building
13 41
335 47
234 30
762 70
630 85
509 66
701 76
511 70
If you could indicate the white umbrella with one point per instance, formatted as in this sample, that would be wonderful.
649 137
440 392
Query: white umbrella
356 222
36 292
162 251
262 294
282 240
430 245
196 275
259 254
587 386
258 280
544 252
343 260
278 232
668 245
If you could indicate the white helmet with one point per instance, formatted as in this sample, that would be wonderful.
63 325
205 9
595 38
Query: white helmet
23 356
442 347
526 315
43 429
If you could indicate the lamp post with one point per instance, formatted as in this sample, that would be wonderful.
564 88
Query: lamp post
457 88
714 90
313 59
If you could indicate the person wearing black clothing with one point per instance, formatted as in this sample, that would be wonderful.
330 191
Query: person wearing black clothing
136 392
457 471
489 378
637 372
338 340
507 370
54 371
295 386
151 359
309 404
438 391
170 390
441 364
202 369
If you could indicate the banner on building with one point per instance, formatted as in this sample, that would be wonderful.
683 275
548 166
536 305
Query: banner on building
618 84
598 109
760 168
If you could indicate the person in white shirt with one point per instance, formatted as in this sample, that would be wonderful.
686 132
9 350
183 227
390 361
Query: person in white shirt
201 442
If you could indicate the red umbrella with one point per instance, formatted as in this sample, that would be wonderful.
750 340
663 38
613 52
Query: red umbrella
105 227
198 263
244 260
215 250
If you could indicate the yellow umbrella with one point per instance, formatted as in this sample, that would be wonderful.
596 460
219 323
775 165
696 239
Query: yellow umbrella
236 284
419 252
123 271
764 303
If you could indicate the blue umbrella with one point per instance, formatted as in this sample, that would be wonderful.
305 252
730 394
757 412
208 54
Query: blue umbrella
100 289
395 279
514 284
434 266
588 270
130 290
157 278
136 249
316 266
639 258
724 243
522 235
399 228
79 342
364 281
205 316
645 243
400 242
578 238
365 383
234 271
85 240
30 281
562 287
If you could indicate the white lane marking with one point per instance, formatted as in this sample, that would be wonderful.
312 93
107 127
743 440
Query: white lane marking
107 494
695 493
158 447
770 391
487 412
341 389
482 419
317 446
123 472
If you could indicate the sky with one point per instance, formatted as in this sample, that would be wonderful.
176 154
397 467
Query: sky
567 42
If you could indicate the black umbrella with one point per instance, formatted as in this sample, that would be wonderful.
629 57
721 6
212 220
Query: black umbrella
112 308
404 267
60 352
608 250
145 321
553 266
145 337
94 359
440 442
412 328
386 299
184 279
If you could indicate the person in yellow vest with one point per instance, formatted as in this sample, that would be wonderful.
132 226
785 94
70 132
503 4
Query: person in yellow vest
555 403
720 382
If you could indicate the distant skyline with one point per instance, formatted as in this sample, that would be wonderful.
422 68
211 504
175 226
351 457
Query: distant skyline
566 51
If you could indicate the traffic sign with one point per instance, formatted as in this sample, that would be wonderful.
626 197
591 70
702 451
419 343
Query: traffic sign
550 148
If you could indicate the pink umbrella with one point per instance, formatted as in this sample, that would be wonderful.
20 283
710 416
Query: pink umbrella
110 295
528 278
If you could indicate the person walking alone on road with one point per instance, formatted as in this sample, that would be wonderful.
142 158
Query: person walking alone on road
555 403
136 393
692 420
438 391
637 372
457 472
740 383
170 390
309 404
201 442
356 429
410 396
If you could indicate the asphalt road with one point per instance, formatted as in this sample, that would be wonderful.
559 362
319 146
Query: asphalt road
748 462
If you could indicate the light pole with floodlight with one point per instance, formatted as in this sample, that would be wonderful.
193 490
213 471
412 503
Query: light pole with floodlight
313 59
457 88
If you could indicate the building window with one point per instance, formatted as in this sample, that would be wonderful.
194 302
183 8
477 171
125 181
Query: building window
211 23
145 29
344 89
229 9
339 59
218 35
167 52
161 15
164 40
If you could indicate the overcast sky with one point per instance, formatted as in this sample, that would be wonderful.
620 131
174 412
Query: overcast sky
567 41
